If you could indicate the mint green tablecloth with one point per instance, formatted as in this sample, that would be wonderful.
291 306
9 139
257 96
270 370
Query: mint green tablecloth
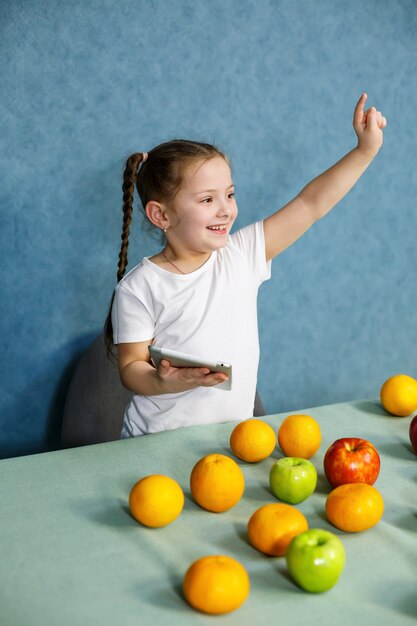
71 555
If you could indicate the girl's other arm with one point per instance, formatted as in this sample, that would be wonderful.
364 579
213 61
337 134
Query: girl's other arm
140 376
316 199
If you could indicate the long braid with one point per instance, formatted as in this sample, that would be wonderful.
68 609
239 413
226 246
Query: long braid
129 179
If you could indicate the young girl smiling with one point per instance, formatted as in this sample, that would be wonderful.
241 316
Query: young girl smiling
199 293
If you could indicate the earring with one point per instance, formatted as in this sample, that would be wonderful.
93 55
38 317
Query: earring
165 229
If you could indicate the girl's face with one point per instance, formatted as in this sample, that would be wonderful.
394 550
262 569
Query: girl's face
204 209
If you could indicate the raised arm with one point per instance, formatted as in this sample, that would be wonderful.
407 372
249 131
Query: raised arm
320 195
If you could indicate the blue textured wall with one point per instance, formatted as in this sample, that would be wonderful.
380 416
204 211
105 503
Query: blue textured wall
273 83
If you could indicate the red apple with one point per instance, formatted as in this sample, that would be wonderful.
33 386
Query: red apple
413 433
351 460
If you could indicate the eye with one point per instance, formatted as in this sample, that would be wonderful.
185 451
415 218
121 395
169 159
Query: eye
207 200
232 194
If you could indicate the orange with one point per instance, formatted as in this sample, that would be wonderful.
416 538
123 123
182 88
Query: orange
271 528
156 500
217 483
300 436
399 395
253 440
216 584
354 507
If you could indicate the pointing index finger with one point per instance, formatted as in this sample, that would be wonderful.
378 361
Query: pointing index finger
358 114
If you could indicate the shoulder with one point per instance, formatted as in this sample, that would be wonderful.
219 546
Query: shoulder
148 283
248 237
246 249
134 283
135 276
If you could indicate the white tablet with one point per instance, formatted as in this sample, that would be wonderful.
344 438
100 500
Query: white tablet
181 359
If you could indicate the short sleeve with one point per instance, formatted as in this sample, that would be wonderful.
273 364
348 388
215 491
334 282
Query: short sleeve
131 319
250 240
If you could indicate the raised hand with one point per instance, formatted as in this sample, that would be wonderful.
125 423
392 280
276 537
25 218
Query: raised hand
368 126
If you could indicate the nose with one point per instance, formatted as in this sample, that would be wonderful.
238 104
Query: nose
224 209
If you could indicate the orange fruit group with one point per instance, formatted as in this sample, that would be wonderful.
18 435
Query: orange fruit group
156 500
216 584
272 527
399 395
354 507
217 483
300 436
253 440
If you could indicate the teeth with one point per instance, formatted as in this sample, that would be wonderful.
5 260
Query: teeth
216 227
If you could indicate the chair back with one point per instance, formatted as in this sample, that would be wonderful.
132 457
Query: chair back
96 399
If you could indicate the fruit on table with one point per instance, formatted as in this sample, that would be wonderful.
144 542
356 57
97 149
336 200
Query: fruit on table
217 483
413 433
299 435
216 584
351 460
156 500
399 395
292 479
354 507
315 560
272 526
253 440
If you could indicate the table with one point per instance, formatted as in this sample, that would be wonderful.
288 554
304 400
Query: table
71 554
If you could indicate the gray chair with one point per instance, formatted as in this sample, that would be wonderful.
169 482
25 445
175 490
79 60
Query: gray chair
96 400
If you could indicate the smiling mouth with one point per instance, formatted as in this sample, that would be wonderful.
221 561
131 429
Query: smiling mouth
217 229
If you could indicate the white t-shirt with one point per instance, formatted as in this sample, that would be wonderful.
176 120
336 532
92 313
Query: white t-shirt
210 313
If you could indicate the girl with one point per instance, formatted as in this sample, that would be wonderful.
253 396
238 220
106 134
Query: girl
198 295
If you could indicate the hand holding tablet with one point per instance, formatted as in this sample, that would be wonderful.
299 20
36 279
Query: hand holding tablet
182 359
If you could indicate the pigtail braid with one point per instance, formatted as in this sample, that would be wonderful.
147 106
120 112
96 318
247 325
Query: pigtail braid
129 179
130 175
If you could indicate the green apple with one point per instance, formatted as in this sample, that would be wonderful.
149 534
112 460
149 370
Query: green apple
292 479
315 559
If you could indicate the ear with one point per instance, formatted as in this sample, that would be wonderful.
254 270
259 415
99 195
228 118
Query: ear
156 214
